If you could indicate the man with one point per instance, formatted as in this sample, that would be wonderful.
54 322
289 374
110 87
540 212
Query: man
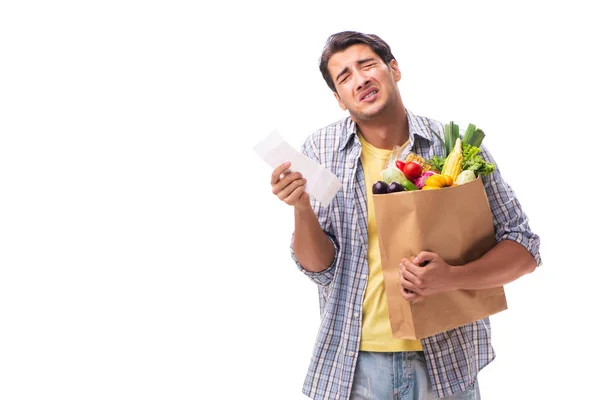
355 355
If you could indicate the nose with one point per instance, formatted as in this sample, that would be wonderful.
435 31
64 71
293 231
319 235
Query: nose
364 84
363 81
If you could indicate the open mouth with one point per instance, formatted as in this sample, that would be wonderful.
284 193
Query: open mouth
370 94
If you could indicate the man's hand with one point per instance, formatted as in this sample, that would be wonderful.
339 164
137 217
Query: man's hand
289 186
427 274
313 249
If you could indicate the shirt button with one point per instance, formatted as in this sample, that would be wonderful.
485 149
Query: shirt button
350 164
363 277
356 315
351 354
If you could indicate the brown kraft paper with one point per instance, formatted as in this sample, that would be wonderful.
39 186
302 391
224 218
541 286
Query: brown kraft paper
457 224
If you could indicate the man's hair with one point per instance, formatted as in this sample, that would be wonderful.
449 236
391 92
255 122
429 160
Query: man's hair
342 40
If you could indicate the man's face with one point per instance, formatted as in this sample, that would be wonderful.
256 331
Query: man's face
365 84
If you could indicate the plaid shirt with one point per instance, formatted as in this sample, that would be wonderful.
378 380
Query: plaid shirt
453 357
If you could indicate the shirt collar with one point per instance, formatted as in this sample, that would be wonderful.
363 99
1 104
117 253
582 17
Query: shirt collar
416 127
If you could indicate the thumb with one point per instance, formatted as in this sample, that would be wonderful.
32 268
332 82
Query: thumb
424 258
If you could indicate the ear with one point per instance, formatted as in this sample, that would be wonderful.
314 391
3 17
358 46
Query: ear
340 103
395 70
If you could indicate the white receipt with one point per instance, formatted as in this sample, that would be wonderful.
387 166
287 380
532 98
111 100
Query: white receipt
321 183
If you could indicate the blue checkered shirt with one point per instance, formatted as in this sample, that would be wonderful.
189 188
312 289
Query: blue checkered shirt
454 357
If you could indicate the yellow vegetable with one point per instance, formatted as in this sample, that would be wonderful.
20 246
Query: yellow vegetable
438 181
453 163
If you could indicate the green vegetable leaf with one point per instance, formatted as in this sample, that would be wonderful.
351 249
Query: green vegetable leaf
474 162
437 163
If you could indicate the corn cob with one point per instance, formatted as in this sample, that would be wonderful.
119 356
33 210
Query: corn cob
420 160
453 164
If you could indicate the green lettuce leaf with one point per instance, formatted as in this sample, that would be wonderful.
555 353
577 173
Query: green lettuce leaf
474 162
437 163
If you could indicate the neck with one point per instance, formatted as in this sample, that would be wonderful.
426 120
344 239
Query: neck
386 131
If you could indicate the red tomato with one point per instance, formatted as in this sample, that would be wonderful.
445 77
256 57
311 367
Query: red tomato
400 165
412 170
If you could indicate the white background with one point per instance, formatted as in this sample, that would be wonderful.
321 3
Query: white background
142 255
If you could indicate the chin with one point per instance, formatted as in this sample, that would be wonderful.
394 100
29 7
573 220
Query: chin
369 114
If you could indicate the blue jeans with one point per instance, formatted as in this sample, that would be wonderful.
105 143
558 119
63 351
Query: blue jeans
397 376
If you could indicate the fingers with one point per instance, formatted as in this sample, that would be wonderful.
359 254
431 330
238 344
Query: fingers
282 177
293 179
411 297
411 267
292 191
411 286
295 195
424 257
287 185
410 281
275 176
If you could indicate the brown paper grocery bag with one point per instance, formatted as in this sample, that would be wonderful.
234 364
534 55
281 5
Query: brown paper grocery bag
457 224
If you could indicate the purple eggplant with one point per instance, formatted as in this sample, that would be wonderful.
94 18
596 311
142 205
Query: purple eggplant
395 187
380 187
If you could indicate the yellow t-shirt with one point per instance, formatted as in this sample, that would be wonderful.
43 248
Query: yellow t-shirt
376 329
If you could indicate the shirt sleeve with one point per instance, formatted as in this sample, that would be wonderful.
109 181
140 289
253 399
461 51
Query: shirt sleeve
324 277
510 221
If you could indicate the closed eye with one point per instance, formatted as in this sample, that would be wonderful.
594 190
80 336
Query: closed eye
367 62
